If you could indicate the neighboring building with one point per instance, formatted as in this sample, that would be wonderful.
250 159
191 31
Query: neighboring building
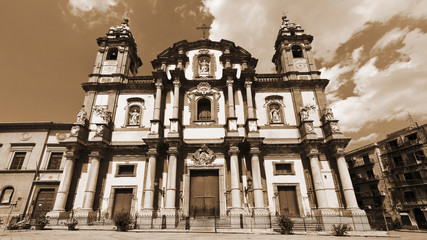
370 186
205 135
392 175
30 166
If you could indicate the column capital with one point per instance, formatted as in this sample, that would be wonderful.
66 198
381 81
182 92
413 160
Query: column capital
159 85
229 82
173 151
96 154
176 83
70 155
234 150
255 151
152 152
312 151
248 83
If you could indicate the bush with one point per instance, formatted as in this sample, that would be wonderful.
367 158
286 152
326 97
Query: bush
286 224
122 221
340 229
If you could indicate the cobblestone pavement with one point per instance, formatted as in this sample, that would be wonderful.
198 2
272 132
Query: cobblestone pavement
107 235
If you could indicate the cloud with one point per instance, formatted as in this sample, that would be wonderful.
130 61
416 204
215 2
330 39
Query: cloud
81 7
88 13
390 93
370 138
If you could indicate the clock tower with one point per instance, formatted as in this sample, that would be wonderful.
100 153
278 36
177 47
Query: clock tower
293 55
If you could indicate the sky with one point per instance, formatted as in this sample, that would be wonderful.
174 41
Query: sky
372 51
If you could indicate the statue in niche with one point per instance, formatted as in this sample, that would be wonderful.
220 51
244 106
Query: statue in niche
275 114
81 115
328 114
204 66
134 117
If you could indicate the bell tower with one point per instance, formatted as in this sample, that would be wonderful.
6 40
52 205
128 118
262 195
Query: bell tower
293 54
117 56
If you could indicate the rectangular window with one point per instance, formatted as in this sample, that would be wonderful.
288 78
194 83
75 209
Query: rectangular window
18 160
410 196
55 161
284 169
420 156
393 144
398 161
125 170
370 174
366 159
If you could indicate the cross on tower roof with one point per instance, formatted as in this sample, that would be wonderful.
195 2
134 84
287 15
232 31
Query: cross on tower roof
203 28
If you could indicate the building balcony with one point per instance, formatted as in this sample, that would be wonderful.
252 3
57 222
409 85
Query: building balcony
365 163
371 194
409 183
403 145
412 203
366 180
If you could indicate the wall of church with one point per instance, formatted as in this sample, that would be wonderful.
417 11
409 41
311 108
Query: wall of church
297 179
121 118
113 180
262 111
189 68
239 106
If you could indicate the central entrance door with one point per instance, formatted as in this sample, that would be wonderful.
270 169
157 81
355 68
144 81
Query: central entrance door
288 201
204 193
44 203
122 200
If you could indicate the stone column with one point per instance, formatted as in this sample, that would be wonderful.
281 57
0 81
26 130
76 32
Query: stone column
236 201
64 185
158 100
149 182
347 185
171 181
319 188
176 85
251 110
230 82
92 179
256 178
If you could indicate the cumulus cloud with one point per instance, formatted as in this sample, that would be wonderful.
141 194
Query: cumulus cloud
373 52
370 138
387 94
93 12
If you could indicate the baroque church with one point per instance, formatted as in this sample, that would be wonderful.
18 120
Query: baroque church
204 136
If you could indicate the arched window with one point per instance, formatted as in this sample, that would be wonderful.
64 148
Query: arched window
112 54
297 51
6 195
204 109
134 115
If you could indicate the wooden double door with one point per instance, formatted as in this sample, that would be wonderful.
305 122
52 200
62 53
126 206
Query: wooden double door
288 201
204 193
122 200
43 203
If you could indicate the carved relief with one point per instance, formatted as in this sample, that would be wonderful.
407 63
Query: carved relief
99 130
75 131
203 90
203 156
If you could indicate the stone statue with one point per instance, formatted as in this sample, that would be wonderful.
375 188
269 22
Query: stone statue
328 114
275 115
134 117
204 66
101 110
81 115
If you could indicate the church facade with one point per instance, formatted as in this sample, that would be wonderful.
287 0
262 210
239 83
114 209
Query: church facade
205 135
